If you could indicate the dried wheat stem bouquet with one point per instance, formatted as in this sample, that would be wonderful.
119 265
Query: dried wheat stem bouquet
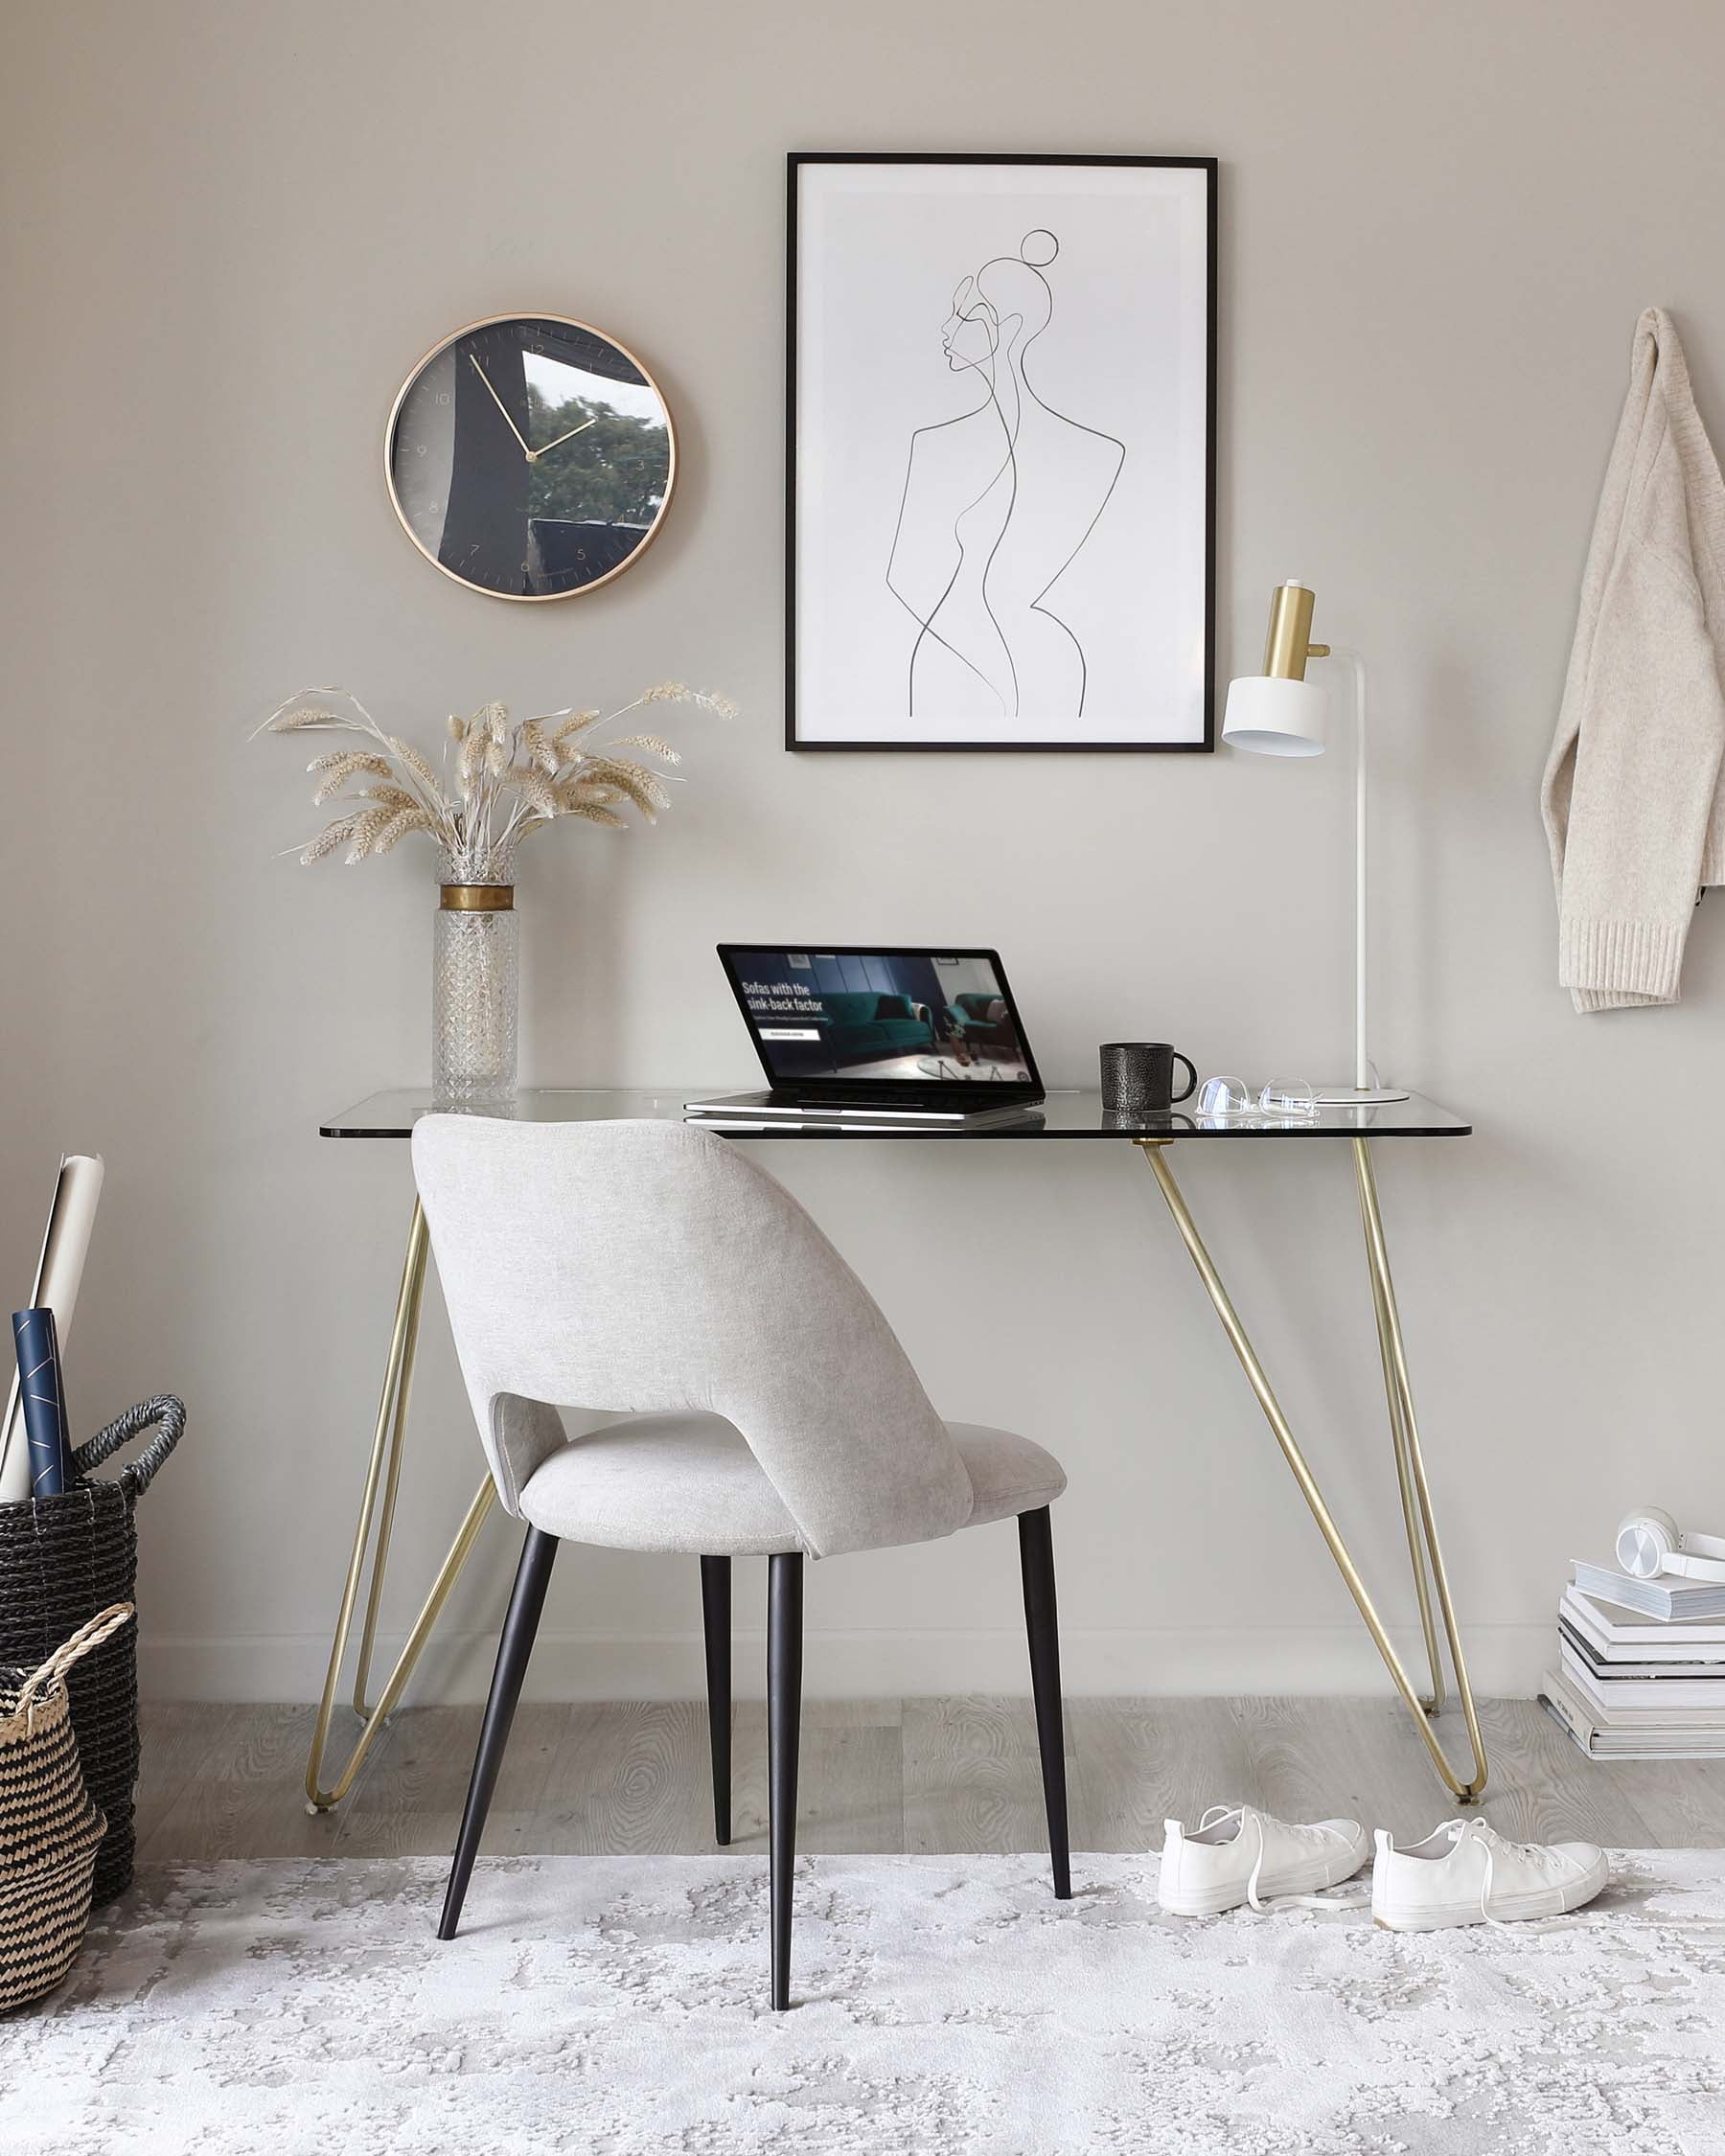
498 782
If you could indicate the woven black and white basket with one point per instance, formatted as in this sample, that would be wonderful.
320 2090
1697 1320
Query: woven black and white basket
50 1829
61 1560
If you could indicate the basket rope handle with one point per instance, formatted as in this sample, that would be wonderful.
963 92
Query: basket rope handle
136 1477
100 1627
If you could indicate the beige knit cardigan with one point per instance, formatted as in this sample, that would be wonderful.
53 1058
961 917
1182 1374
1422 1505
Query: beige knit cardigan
1632 798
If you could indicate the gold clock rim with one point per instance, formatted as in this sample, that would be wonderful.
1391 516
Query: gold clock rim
487 322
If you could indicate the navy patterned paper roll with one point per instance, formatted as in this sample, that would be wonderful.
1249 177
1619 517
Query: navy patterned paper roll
44 1401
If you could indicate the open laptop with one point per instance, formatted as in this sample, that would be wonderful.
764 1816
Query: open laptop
877 1039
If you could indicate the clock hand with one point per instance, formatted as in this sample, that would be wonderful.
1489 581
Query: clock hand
568 437
502 408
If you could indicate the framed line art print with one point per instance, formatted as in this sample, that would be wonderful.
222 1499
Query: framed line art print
1000 397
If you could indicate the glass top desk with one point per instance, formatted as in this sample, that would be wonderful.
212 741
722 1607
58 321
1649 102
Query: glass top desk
1066 1117
1062 1115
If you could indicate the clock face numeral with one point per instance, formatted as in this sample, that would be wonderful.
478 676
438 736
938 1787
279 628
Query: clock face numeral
531 458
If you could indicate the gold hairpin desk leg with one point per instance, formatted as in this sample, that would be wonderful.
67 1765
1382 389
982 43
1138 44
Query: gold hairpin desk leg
1413 1520
386 1468
1413 1464
1410 1465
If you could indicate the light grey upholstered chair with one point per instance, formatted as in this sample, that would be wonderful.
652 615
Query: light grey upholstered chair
652 1271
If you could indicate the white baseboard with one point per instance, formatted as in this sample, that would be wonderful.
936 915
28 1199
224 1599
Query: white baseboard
1505 1660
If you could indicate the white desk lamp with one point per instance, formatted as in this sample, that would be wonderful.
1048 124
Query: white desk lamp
1280 713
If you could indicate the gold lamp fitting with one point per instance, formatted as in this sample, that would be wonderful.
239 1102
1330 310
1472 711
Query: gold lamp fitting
1289 644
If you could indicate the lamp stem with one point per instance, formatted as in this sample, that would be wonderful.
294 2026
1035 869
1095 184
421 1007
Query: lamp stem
1364 1077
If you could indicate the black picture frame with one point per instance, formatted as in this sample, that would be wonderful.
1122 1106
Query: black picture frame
1209 167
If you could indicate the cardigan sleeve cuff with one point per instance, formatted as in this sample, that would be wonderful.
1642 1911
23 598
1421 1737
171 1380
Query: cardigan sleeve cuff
1615 965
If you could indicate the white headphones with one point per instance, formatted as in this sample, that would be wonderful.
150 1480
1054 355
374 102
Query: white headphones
1649 1542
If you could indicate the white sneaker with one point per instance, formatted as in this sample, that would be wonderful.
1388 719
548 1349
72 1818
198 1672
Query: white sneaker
1237 1853
1466 1872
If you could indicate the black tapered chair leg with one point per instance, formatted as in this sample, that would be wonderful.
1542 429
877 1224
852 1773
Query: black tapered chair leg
1041 1624
784 1729
716 1620
533 1575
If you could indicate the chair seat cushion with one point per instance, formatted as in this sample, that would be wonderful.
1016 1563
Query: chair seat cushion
689 1483
1008 1473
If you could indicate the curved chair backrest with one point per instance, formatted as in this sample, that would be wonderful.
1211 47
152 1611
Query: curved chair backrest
650 1265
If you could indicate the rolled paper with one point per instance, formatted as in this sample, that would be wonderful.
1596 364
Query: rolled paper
59 1271
43 1400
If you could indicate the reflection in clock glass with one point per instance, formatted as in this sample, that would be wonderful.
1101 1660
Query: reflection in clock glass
531 458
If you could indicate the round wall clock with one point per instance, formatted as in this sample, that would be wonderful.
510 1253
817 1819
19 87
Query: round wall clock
531 457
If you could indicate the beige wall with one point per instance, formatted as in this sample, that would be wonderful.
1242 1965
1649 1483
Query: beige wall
233 230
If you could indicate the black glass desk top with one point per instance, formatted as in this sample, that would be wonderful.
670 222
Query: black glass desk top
393 1115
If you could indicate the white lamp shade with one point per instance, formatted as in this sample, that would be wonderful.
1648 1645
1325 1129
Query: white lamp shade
1273 717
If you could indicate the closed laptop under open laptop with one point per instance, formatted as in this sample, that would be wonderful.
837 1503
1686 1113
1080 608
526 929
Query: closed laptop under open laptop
920 1036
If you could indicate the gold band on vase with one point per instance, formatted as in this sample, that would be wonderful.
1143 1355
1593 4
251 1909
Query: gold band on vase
475 897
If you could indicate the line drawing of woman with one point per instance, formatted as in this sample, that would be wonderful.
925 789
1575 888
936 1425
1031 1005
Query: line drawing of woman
997 505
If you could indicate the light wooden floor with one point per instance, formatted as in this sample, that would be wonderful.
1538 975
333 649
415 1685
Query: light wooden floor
916 1775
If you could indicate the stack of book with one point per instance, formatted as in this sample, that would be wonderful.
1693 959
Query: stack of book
1640 1671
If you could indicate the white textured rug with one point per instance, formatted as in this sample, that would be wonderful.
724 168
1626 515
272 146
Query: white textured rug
618 2005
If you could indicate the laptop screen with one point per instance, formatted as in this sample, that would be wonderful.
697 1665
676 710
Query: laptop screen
880 1018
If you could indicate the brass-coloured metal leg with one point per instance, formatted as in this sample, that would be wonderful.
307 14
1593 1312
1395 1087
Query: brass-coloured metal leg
398 1382
386 1445
1412 1522
1156 1153
1396 1364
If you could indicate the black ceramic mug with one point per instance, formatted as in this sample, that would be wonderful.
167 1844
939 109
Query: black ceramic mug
1137 1077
